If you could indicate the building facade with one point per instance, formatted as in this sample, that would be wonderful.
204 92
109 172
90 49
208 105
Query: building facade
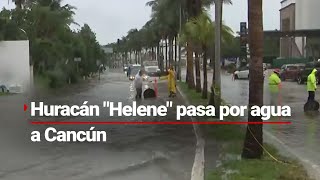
298 15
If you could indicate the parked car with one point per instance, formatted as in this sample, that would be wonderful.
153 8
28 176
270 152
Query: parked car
290 71
305 71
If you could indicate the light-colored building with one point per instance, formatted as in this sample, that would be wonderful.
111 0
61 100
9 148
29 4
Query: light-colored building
298 15
15 71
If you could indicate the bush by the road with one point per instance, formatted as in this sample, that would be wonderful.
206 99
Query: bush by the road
57 78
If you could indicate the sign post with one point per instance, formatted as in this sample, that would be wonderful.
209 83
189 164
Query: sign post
77 60
243 43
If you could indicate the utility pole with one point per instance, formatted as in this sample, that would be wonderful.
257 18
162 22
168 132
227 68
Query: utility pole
179 35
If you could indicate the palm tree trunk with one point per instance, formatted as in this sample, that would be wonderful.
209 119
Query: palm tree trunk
205 79
175 54
217 81
158 55
190 72
170 51
212 95
152 53
198 75
162 58
166 55
141 59
136 57
254 138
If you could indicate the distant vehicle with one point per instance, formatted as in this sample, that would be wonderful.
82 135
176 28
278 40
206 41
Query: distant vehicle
150 63
135 68
152 71
125 68
305 71
242 73
15 88
290 71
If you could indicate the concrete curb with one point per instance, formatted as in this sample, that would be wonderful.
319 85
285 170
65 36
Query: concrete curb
312 169
197 172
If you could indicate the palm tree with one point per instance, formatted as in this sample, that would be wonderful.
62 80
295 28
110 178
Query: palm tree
194 8
252 145
194 31
200 31
206 37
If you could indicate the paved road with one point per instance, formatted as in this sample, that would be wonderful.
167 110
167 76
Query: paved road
303 135
132 152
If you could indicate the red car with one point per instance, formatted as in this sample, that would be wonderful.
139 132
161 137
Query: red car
290 71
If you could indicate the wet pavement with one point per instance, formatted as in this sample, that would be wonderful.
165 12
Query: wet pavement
133 152
302 137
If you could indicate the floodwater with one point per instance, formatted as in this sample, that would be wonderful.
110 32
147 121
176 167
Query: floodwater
132 152
302 137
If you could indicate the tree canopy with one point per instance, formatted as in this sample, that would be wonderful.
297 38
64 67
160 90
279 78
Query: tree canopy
53 44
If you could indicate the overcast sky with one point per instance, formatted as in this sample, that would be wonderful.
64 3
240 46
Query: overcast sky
112 19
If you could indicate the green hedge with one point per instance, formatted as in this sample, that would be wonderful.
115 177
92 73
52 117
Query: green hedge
277 63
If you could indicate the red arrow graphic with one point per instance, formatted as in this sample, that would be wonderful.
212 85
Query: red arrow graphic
25 107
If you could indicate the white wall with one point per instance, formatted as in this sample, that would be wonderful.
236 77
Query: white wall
307 14
14 63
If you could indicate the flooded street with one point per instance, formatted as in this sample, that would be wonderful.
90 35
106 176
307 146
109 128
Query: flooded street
132 152
303 135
